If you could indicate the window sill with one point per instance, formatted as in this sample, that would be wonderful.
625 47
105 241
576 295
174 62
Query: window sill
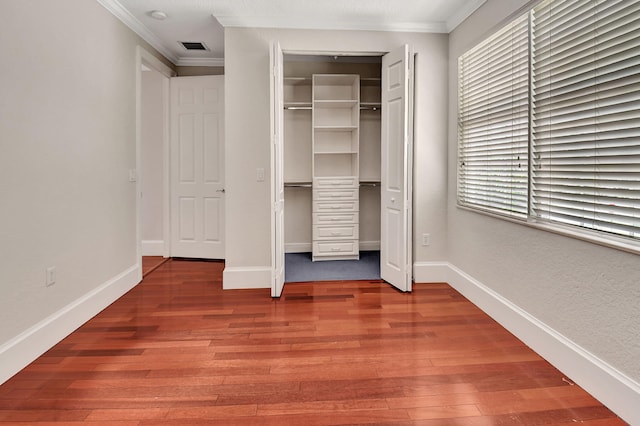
594 237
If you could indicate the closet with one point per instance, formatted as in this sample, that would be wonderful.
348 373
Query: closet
331 155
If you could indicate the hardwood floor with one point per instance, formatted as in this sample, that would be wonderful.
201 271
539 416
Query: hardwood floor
177 349
151 263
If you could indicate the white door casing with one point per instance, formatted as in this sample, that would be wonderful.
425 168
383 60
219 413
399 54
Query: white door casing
396 173
395 194
277 174
197 167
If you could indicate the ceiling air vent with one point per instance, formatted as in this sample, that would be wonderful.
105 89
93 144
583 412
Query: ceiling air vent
193 45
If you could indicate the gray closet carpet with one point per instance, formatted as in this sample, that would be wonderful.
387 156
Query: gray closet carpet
298 267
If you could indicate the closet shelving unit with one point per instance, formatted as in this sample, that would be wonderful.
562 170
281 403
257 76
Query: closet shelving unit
335 166
332 160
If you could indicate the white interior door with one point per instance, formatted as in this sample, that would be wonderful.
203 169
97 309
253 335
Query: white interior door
277 172
395 194
197 167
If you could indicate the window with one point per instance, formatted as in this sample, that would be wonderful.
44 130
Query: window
581 115
493 122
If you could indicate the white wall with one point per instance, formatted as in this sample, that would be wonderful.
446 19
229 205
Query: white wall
152 163
67 142
248 128
587 293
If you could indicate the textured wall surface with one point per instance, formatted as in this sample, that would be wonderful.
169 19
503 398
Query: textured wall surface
586 292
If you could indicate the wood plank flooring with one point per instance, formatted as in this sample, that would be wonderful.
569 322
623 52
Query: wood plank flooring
151 263
177 349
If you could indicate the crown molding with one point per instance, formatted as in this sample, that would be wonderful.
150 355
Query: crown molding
137 27
200 62
463 14
306 23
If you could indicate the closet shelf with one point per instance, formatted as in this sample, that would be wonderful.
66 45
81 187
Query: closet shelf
335 152
297 106
298 185
350 103
335 128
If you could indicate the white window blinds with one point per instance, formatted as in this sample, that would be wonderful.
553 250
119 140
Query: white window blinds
586 115
493 122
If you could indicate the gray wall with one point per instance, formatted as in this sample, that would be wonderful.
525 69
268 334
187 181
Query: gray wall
586 292
67 143
248 129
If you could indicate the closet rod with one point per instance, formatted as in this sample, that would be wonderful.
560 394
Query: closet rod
297 107
372 184
372 108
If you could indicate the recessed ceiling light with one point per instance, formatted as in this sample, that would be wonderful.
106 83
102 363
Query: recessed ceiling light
158 14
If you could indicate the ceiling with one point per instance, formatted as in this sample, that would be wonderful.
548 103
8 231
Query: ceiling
204 20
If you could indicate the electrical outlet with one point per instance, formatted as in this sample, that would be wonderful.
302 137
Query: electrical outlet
50 276
426 239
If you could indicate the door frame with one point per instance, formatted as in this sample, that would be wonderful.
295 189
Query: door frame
145 59
411 124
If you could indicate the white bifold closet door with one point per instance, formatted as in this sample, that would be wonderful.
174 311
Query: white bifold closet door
277 174
396 176
197 167
397 122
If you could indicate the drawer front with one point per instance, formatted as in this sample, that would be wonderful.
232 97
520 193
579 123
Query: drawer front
332 248
331 218
335 207
336 195
339 182
344 232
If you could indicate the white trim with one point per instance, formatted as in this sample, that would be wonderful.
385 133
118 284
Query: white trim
137 27
166 165
311 23
246 277
21 350
153 247
153 63
298 248
200 62
369 245
618 392
431 272
145 58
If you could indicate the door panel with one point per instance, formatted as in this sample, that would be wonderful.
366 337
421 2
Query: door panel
277 172
395 241
197 167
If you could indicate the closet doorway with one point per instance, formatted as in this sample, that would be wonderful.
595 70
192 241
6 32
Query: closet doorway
341 160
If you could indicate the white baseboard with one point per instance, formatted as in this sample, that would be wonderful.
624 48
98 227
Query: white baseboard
246 277
431 272
369 245
152 247
307 247
297 248
21 350
615 390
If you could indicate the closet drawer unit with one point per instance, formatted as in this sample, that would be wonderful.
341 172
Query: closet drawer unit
336 195
338 182
343 232
335 207
335 248
331 218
